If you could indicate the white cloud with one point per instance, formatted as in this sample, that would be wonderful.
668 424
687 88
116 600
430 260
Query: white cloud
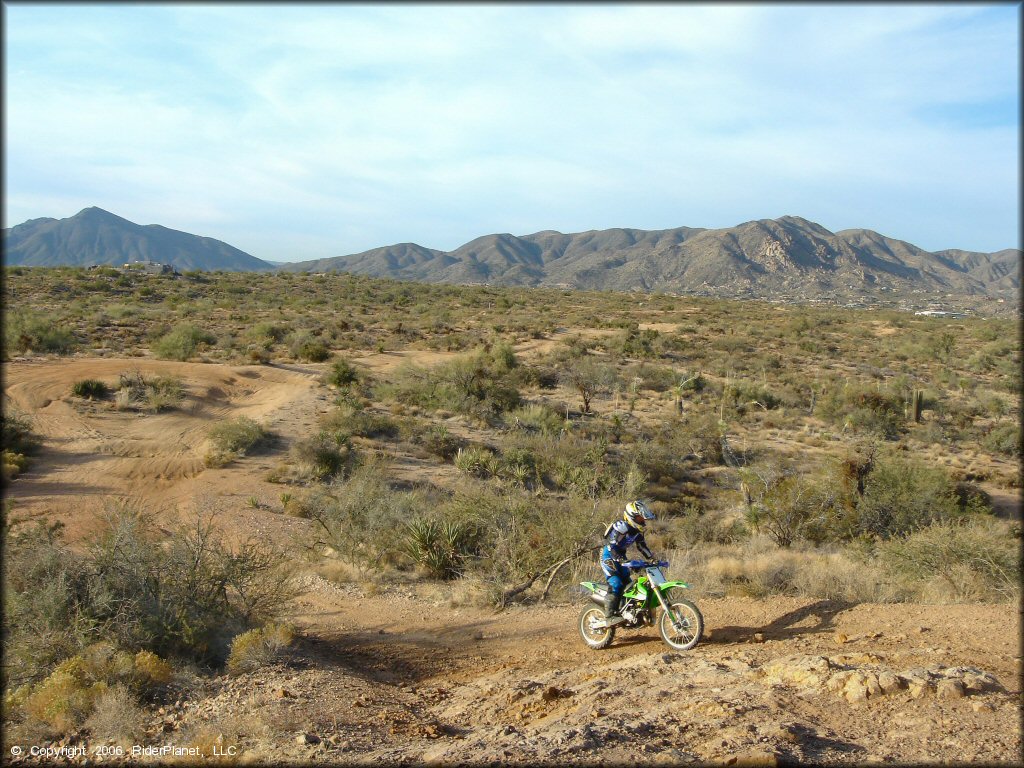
359 126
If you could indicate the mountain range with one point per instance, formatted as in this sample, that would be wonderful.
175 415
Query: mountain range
785 257
789 254
94 236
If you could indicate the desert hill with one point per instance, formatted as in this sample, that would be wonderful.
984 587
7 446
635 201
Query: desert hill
95 236
787 255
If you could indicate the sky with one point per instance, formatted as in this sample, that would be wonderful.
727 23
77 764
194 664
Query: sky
297 131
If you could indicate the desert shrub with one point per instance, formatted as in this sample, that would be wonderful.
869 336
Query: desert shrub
342 374
182 342
657 378
321 456
864 409
64 699
589 378
743 394
440 546
117 716
903 495
164 392
271 331
304 346
696 526
189 596
1004 438
19 442
92 389
233 438
439 441
46 600
29 332
157 394
96 685
477 460
348 421
535 418
16 432
783 503
516 539
968 561
362 519
258 647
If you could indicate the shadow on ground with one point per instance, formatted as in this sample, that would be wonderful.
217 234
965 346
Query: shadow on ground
789 625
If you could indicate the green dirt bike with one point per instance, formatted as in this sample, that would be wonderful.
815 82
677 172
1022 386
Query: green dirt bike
680 621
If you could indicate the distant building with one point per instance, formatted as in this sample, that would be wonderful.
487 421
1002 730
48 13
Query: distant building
150 268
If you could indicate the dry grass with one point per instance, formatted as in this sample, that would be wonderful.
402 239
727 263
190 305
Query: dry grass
117 717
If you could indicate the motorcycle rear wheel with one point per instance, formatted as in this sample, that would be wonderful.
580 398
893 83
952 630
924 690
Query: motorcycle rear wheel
689 617
595 637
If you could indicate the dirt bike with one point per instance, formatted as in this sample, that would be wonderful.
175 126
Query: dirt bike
680 622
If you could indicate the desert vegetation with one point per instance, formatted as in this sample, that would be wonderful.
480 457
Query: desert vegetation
99 628
481 438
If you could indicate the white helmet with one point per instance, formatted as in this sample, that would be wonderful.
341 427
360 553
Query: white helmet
637 514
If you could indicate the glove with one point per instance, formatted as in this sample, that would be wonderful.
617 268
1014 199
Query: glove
662 563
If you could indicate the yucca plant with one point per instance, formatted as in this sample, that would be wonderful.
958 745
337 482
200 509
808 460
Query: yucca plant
438 545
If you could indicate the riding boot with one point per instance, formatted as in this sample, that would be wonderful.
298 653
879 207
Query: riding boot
611 610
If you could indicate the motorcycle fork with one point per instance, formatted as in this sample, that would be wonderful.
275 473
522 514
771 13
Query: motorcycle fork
664 606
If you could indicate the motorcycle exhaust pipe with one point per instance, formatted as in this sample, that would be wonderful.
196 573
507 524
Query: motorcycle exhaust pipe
600 597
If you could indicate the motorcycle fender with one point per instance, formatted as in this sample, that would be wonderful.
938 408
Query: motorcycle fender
671 584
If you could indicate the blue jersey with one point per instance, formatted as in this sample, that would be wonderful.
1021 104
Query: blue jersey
619 536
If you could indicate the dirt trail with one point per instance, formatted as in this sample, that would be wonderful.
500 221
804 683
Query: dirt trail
398 674
93 452
402 675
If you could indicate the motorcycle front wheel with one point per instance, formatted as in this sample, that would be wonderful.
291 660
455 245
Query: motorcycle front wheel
682 625
594 636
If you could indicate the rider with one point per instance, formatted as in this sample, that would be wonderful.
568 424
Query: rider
618 536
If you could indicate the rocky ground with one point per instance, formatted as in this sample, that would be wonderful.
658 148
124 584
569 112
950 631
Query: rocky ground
403 676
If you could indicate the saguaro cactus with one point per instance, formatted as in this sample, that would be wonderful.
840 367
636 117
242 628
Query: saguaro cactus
917 405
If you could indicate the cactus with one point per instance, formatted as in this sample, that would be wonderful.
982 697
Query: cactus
917 405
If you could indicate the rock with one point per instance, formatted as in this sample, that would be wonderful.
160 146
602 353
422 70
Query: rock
753 759
283 693
307 738
758 637
840 638
855 690
918 689
981 706
889 682
977 681
922 630
949 689
801 671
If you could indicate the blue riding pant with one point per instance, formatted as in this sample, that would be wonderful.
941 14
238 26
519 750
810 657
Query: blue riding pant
616 573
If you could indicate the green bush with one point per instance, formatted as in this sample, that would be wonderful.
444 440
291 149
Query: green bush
30 332
232 439
321 457
439 441
903 495
164 392
16 433
342 374
439 546
864 409
90 388
305 346
182 342
1004 438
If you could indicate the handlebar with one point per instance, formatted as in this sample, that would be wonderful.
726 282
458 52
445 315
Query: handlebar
638 565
